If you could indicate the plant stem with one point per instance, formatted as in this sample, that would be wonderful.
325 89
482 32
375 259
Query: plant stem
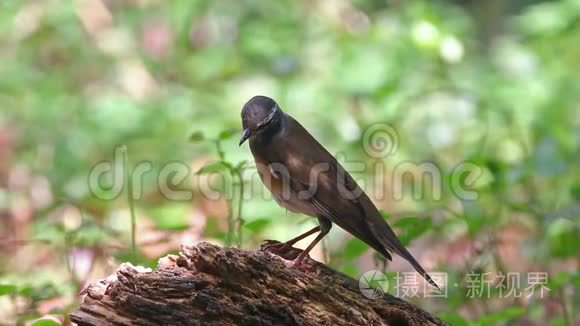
567 317
220 152
230 235
231 221
240 220
131 201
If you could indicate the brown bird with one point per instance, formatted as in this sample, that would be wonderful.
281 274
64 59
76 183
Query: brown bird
305 178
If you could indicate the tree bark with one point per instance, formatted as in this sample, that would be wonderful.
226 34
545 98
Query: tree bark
210 285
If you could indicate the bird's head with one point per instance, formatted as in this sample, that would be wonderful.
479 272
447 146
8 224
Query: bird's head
259 114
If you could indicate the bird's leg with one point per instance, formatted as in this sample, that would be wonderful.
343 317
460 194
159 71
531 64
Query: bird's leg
283 246
325 225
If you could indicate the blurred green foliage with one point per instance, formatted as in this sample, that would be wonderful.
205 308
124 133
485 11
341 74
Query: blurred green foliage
494 83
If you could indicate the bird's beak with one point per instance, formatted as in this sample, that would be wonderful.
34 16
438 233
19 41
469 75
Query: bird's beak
245 136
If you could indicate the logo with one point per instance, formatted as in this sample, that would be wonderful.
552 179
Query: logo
373 284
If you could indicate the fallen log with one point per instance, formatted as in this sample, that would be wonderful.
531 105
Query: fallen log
209 285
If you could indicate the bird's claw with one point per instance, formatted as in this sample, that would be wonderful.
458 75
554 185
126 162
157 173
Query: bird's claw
287 252
304 264
280 249
274 246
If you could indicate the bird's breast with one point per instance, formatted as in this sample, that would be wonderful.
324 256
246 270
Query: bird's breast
276 179
270 178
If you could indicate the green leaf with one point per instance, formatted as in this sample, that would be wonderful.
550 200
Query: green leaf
39 292
475 223
258 224
213 168
227 134
454 319
386 216
559 321
563 238
213 229
351 270
412 228
196 137
7 289
91 235
136 258
45 322
171 216
575 191
354 248
557 282
575 279
502 316
240 165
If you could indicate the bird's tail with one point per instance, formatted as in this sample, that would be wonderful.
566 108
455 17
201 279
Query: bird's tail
408 257
387 237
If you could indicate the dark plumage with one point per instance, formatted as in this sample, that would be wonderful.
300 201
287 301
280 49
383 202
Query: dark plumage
305 178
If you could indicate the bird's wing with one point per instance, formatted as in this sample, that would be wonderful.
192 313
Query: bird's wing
313 171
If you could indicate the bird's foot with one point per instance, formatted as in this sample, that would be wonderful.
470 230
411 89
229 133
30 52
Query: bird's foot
304 263
281 249
273 246
285 251
298 263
